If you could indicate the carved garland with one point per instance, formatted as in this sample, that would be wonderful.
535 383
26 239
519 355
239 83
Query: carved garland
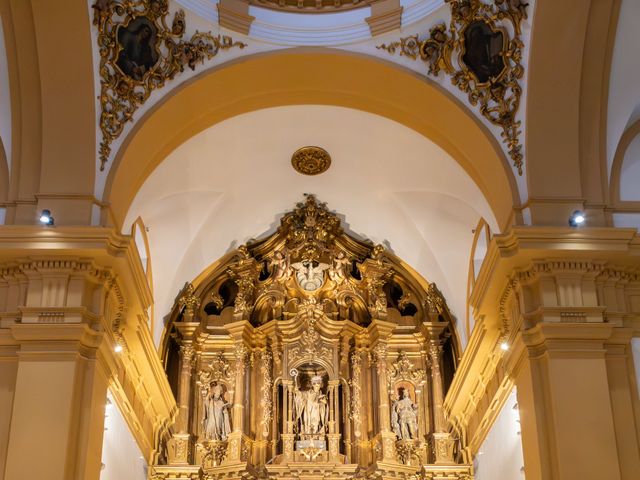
139 52
482 58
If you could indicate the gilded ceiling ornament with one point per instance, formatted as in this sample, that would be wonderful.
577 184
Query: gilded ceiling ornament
311 160
482 57
139 52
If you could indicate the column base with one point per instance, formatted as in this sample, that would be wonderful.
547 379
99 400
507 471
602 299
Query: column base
443 445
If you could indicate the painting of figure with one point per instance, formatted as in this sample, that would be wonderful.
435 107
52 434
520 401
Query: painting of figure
138 48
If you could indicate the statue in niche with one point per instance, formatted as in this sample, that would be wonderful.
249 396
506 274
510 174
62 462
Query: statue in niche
138 48
404 417
216 424
310 277
310 406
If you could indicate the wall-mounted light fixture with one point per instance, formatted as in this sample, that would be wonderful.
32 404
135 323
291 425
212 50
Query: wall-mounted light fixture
46 218
577 218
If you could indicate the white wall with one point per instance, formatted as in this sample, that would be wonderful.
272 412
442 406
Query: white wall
121 457
500 456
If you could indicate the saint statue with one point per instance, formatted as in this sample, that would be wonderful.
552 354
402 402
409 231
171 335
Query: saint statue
404 417
216 424
310 406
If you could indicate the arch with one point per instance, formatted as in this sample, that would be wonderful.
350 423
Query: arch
616 168
310 76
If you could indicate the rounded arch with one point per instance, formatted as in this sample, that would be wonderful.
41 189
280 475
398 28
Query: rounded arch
311 76
616 168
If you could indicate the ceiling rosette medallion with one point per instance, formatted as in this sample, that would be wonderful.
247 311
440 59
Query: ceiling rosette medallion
139 53
482 53
311 160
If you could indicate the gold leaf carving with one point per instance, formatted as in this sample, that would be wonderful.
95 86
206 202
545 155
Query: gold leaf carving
497 96
139 53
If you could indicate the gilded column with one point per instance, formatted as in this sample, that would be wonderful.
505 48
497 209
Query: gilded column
179 443
387 437
443 443
356 403
236 439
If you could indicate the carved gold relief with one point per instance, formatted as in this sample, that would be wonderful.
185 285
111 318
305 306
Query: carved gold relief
188 301
311 160
482 58
309 358
139 53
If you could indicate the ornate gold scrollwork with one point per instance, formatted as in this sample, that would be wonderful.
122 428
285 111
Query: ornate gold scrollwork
189 301
404 369
139 52
482 58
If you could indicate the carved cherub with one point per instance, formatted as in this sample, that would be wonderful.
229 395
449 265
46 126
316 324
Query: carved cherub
337 270
280 266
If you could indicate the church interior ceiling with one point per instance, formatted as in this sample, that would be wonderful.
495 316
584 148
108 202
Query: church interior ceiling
139 53
310 352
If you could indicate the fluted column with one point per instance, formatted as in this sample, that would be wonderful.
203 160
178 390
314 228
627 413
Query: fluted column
387 437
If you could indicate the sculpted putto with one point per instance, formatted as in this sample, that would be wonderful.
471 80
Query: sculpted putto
216 424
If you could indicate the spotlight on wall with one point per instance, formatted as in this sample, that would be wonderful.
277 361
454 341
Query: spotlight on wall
46 218
118 348
504 346
577 218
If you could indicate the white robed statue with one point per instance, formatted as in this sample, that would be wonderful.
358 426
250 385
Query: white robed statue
216 423
310 407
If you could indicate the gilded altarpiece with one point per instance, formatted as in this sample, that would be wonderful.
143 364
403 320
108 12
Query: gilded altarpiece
310 354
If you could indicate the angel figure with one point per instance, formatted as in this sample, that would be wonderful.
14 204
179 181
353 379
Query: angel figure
337 270
309 277
280 266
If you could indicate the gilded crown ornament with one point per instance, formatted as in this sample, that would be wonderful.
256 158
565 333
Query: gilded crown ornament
311 160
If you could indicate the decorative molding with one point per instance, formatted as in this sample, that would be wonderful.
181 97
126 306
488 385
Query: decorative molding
311 160
489 73
139 53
